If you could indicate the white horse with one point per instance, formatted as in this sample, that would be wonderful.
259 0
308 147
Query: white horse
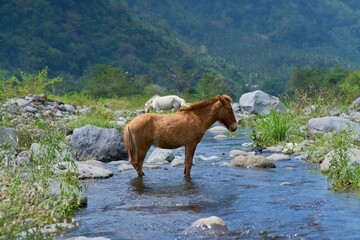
164 103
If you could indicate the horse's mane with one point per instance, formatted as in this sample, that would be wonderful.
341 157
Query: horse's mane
205 103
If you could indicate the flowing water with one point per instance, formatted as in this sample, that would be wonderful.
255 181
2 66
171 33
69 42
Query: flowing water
253 202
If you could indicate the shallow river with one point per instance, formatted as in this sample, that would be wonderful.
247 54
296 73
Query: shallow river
253 203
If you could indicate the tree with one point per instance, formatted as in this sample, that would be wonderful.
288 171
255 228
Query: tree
212 84
108 81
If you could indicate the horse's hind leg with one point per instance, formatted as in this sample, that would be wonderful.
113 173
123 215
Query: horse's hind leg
140 162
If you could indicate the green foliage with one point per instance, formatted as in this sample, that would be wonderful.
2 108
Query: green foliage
26 200
211 85
272 129
107 81
343 174
262 44
351 86
322 144
27 84
70 37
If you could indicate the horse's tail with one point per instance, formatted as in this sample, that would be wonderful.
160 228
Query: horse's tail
130 144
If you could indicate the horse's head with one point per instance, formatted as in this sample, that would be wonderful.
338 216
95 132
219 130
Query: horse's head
148 104
226 114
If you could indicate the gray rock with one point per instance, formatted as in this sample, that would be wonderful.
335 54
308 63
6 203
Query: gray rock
23 158
31 109
251 161
160 156
259 102
67 108
278 157
102 144
85 170
8 137
220 137
331 124
355 105
210 222
353 155
125 167
218 129
22 102
234 153
177 162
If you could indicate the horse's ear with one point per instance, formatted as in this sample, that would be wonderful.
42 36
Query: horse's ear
225 99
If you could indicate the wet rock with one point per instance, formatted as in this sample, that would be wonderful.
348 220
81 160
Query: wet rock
278 157
286 184
177 162
273 149
85 170
211 226
220 137
210 222
251 161
353 155
161 156
88 238
234 153
125 167
102 144
119 162
259 102
218 129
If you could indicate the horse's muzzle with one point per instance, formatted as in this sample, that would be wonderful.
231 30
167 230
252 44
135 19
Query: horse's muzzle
233 127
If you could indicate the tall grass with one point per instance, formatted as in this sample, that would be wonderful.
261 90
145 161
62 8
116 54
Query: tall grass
27 201
274 128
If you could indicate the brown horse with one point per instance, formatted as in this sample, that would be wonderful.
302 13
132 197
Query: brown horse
183 128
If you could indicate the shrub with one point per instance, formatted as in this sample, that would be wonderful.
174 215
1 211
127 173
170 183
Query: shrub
27 84
271 129
26 201
343 174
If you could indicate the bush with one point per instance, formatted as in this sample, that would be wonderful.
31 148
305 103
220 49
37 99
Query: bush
26 200
27 84
343 174
272 129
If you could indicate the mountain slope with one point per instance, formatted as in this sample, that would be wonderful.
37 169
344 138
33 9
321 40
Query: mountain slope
263 38
71 36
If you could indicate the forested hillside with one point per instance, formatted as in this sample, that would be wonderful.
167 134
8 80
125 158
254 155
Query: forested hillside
264 39
198 46
72 37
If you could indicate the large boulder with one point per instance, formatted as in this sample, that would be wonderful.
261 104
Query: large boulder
259 102
94 143
331 124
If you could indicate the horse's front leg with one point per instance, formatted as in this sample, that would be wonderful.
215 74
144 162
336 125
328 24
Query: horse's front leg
189 154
